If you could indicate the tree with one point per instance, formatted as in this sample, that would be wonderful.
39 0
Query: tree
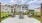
12 9
13 14
0 11
41 13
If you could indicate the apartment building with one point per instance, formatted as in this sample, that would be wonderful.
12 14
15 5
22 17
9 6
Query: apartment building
18 8
37 9
5 8
22 8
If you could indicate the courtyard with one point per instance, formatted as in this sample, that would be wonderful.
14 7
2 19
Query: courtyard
14 13
17 20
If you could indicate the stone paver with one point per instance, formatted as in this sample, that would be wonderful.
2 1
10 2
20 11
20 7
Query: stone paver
17 20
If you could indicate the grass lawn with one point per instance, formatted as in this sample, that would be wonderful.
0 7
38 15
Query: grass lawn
4 15
37 16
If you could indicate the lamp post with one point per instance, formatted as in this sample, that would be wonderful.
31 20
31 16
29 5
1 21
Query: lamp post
41 13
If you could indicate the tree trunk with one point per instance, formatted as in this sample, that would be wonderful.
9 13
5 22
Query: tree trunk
41 13
0 11
14 11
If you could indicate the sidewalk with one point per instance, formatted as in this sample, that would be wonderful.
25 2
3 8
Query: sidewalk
17 20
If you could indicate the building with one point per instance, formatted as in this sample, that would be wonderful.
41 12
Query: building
18 8
5 8
22 8
37 9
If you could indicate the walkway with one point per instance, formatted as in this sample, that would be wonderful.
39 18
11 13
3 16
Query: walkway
17 20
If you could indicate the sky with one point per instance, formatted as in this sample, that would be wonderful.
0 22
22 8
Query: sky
32 3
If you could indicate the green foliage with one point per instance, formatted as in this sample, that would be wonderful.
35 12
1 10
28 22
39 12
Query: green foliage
26 13
16 13
4 15
37 14
32 12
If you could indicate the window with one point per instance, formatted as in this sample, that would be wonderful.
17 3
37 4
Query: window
22 8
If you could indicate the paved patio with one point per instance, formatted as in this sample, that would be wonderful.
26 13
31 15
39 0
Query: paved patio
17 20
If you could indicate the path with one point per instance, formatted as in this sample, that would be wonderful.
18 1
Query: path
17 20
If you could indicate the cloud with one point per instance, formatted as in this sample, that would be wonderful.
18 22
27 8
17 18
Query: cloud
4 3
18 1
0 0
35 1
14 1
23 1
34 4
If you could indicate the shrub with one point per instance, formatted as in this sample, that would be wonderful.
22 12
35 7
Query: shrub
37 14
26 13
